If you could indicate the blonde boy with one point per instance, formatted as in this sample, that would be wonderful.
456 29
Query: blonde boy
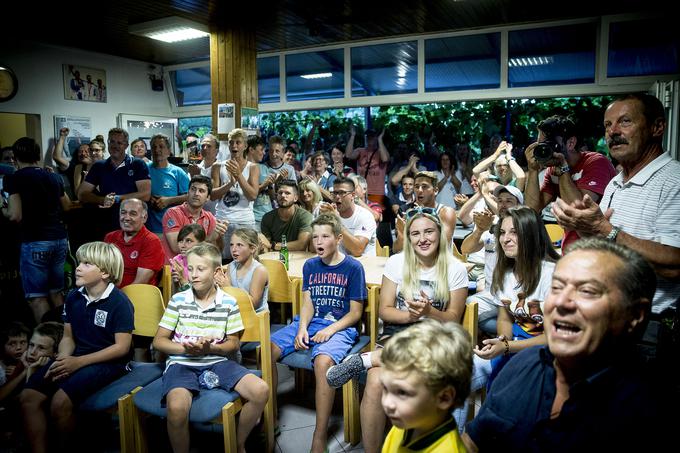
426 373
334 288
95 347
199 329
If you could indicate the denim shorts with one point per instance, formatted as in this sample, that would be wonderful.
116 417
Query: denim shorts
42 267
336 347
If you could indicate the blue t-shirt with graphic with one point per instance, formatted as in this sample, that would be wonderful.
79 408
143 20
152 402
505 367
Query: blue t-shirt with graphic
165 182
332 287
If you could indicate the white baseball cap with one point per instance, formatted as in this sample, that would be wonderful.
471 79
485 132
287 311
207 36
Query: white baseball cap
512 190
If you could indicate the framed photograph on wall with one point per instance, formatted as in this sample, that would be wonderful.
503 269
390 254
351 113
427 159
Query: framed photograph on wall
84 84
145 127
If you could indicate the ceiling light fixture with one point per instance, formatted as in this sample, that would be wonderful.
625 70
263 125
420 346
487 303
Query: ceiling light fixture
530 61
170 29
320 75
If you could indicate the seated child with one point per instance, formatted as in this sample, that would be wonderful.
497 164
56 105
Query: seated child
189 236
41 348
426 373
334 288
14 339
93 352
245 271
195 347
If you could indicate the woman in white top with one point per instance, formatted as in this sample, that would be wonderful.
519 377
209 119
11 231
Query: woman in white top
521 281
236 187
424 281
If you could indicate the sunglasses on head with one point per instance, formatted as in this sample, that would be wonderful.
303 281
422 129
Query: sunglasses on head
432 212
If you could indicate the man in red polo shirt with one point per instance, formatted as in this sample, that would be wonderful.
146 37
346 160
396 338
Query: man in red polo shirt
142 251
192 211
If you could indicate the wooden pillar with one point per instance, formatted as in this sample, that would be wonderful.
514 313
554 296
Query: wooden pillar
233 71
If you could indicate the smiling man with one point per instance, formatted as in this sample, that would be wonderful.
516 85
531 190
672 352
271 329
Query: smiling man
192 211
586 388
142 252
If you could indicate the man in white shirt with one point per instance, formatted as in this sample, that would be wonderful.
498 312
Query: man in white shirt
358 224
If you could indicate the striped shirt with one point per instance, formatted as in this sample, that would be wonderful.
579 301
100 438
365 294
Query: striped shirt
648 207
189 322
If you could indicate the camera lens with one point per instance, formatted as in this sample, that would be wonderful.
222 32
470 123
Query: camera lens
544 151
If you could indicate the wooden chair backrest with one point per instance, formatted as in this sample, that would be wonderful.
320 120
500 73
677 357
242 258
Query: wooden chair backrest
148 302
470 319
555 232
165 284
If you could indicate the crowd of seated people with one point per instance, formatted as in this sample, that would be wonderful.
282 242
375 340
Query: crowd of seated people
552 318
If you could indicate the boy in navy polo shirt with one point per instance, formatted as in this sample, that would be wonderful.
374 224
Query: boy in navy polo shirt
98 324
334 288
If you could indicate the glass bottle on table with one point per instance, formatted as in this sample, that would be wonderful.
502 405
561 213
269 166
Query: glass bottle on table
283 253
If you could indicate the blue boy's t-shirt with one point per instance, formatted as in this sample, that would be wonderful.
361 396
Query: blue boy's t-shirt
333 287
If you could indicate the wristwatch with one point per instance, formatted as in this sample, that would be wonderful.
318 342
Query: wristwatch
559 171
613 233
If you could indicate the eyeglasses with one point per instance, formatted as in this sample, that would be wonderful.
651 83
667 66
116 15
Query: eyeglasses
340 193
431 212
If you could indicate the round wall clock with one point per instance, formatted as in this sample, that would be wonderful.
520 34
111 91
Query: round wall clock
8 84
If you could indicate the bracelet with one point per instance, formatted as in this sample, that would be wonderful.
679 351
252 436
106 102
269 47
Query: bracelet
505 342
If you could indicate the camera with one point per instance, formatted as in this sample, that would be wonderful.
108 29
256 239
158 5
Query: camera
543 153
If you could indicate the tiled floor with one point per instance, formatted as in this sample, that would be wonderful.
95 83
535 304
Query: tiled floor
297 418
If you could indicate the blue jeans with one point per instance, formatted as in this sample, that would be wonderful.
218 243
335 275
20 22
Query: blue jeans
42 267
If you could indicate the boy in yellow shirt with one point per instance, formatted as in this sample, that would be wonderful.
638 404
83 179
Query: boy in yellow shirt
426 374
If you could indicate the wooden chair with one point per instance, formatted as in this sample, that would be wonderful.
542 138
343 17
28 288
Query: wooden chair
555 232
148 304
214 406
382 251
282 289
165 284
457 254
470 324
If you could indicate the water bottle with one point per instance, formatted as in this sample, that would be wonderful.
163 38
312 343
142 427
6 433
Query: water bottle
208 379
283 253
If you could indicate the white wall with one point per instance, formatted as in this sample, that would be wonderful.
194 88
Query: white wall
41 87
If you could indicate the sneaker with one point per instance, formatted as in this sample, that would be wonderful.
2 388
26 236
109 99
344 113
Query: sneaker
339 374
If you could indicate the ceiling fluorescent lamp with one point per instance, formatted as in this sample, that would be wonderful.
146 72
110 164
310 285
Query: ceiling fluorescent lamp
320 75
530 61
170 29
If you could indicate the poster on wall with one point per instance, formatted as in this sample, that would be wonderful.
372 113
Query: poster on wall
80 132
249 120
84 84
145 127
225 118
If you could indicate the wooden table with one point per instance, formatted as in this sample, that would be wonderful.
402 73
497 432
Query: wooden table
373 265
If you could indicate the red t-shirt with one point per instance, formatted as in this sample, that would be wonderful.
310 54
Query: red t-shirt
143 250
177 217
592 172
